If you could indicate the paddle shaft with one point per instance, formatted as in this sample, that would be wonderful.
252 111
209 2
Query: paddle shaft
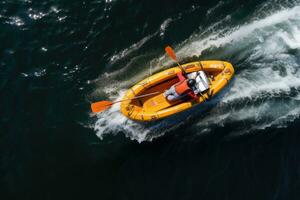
137 97
182 69
104 105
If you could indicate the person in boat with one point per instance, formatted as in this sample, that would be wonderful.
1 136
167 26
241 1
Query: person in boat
181 89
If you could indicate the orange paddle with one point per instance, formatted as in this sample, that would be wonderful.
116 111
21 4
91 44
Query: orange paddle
172 54
104 105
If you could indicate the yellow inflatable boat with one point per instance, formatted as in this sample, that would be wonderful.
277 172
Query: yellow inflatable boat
155 106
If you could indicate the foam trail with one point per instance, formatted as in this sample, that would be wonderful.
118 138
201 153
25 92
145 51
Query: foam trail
239 33
134 47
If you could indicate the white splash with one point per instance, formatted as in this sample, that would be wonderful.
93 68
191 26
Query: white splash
36 15
15 21
112 121
164 26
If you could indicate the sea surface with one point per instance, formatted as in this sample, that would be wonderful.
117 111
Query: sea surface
58 56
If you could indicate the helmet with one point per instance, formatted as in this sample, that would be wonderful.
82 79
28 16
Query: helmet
191 82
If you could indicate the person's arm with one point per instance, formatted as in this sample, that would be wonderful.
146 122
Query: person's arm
193 95
180 76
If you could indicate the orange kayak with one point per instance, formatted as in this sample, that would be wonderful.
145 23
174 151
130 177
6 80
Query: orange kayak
156 106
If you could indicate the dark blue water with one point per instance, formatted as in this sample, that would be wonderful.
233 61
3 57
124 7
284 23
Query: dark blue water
57 56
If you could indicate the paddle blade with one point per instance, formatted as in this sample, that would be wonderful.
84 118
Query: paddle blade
170 52
101 106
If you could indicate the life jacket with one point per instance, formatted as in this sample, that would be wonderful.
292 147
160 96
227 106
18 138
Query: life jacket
182 87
